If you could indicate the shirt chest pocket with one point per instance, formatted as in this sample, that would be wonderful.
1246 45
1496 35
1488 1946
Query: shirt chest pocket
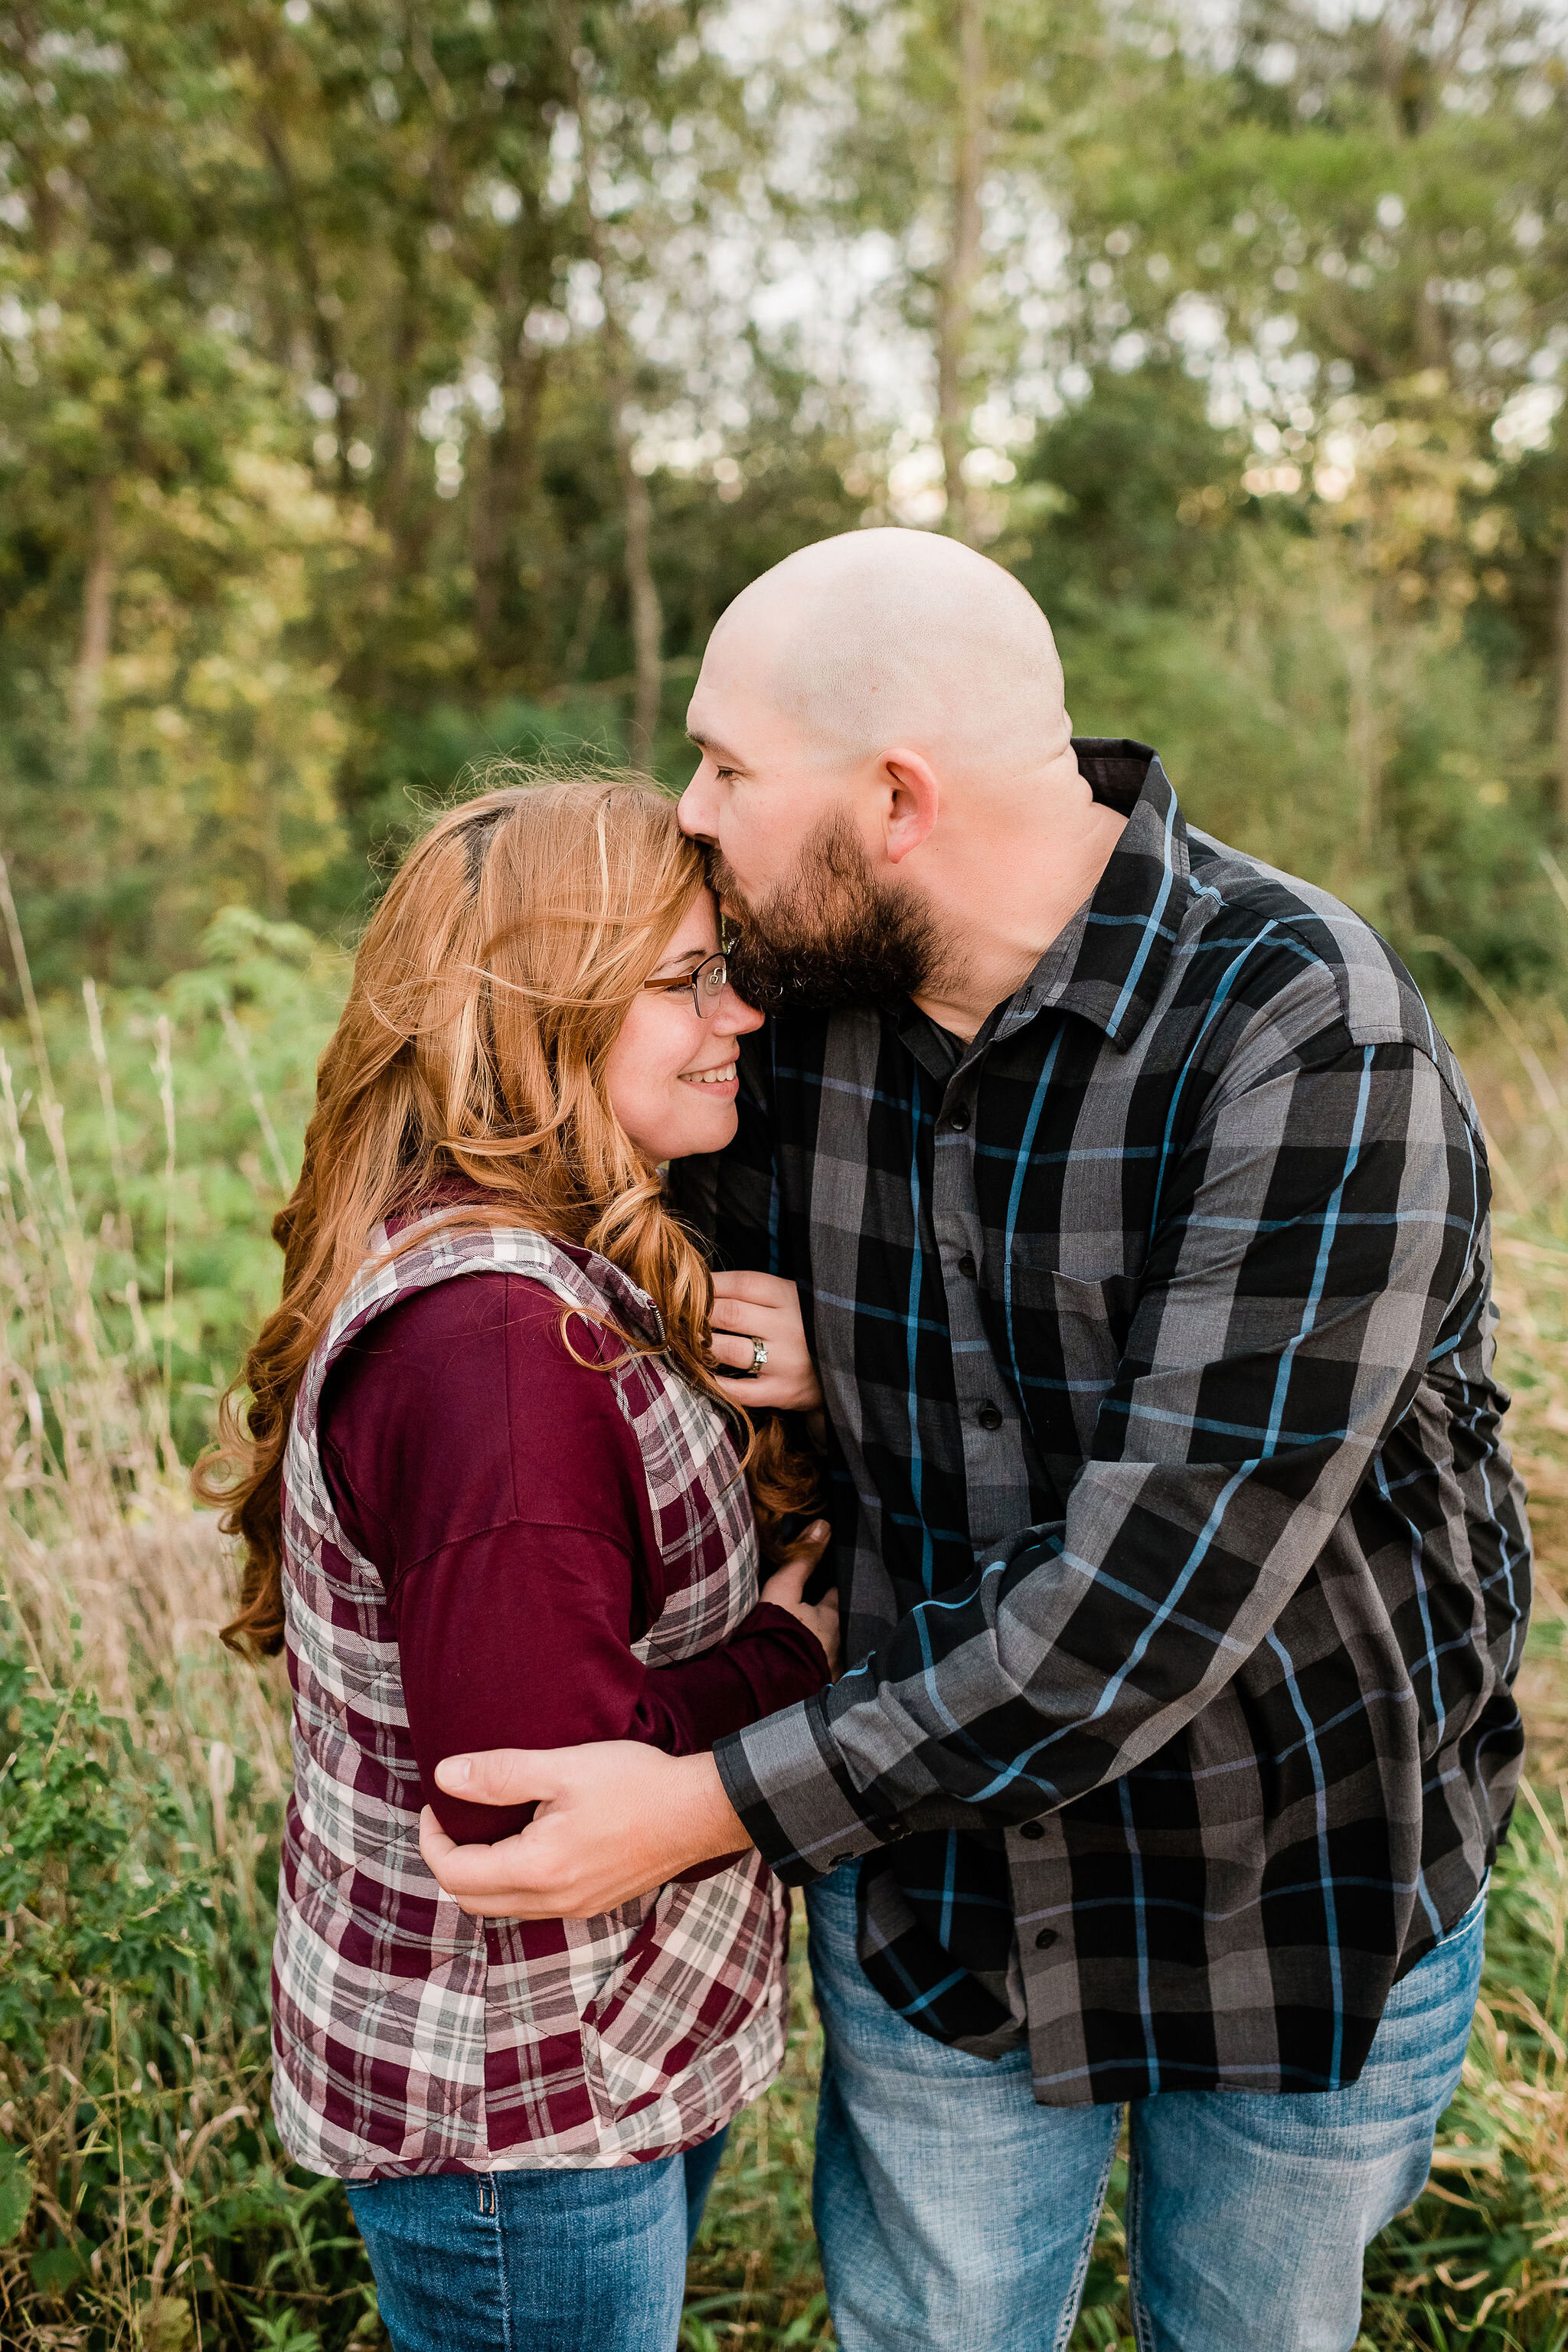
1068 1335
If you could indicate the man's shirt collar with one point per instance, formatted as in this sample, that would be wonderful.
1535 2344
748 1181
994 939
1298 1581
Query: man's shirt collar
1108 962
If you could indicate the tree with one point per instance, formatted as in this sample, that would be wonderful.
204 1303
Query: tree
120 201
1360 223
953 124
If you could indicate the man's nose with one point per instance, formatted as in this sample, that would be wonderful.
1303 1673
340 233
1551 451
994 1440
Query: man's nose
695 810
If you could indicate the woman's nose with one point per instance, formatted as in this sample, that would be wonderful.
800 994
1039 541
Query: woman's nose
734 1017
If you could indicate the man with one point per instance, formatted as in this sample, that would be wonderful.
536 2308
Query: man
1139 1216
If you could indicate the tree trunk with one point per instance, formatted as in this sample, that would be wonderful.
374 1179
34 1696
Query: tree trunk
504 490
591 605
647 620
962 266
323 337
97 611
400 400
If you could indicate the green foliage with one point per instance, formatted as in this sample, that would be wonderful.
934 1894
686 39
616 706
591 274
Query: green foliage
142 2185
80 1822
186 1150
312 502
309 492
1138 499
419 761
15 2193
1384 770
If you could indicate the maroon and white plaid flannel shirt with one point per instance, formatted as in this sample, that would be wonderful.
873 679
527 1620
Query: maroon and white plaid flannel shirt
408 2037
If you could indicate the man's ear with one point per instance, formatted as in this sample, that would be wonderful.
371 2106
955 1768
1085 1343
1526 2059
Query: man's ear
913 799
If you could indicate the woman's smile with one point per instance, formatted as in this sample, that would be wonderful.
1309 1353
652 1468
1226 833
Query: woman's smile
718 1078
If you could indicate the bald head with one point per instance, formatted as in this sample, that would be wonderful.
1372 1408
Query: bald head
888 782
885 637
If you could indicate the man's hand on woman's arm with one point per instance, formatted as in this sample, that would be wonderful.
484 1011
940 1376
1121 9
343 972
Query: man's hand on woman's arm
615 1821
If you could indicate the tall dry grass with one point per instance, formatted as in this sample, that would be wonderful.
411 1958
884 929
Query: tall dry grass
142 1773
143 2200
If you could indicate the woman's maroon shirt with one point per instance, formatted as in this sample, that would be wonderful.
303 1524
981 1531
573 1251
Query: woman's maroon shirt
494 1485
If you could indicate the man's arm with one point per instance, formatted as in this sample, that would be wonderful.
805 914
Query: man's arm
1317 1241
599 1812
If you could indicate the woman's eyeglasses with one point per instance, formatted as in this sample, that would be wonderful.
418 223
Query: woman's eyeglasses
707 985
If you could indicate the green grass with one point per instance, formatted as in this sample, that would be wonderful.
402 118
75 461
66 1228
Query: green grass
144 2199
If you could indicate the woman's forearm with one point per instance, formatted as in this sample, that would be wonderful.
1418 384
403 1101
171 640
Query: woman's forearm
517 1638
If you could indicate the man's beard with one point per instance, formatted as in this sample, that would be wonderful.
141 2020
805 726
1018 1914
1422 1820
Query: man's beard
832 935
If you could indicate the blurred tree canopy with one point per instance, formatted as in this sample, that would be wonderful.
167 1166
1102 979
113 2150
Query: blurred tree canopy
388 382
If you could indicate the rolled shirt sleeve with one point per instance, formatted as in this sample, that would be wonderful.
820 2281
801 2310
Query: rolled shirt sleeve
1318 1239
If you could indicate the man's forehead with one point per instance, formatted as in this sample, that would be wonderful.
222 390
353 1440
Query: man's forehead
703 710
700 729
722 723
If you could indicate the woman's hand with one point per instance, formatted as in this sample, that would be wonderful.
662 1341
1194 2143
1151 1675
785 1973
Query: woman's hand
786 1585
748 1306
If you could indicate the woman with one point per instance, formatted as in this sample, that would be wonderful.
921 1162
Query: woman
510 1511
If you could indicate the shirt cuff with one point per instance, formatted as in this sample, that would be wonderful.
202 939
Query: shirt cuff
787 1780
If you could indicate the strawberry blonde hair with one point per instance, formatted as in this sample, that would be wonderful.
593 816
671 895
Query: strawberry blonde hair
490 986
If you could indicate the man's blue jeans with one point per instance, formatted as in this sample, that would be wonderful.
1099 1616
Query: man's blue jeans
957 2216
536 2261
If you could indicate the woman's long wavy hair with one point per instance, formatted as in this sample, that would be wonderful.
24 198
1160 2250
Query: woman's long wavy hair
487 991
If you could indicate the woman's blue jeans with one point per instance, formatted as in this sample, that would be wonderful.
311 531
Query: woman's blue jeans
957 2216
536 2261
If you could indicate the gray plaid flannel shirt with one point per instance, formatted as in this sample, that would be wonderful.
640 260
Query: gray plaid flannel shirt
1186 1571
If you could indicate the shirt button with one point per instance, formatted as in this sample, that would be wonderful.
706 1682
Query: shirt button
989 1416
959 1118
966 1267
1046 1939
1032 1829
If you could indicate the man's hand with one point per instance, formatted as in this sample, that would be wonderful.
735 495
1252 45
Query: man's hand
748 1306
615 1821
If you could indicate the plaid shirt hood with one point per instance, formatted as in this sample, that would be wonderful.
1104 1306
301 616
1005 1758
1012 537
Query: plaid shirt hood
408 2037
1184 1571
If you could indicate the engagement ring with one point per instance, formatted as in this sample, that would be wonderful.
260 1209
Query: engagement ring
759 1356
